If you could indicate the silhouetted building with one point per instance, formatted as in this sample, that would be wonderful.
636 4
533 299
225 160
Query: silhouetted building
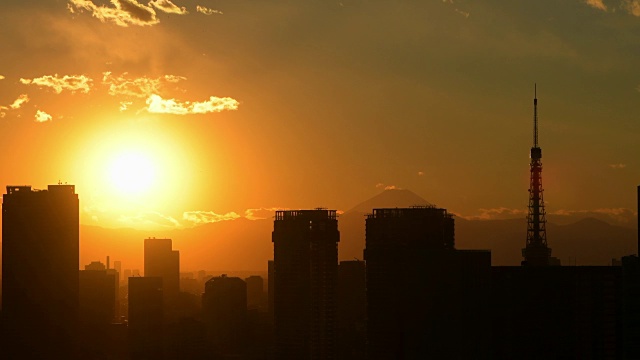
117 265
424 298
224 309
97 311
255 291
146 318
572 312
631 299
306 271
160 260
631 306
40 237
351 299
186 340
95 266
270 287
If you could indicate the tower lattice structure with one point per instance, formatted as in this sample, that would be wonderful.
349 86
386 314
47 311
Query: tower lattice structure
536 252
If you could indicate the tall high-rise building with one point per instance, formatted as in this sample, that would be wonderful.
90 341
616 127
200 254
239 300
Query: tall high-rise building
146 318
305 248
40 262
97 312
424 298
255 291
224 309
270 287
351 300
160 260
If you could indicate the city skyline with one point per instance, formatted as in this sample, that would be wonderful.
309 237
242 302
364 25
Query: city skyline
351 98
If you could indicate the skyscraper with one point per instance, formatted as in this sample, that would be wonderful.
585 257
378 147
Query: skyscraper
424 298
40 262
224 309
160 260
305 247
146 319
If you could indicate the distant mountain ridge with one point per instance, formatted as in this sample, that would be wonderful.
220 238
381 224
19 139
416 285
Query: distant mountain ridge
389 199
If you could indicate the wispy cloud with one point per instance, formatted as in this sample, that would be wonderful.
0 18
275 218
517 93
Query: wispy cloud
137 87
21 100
42 116
461 12
617 166
71 83
17 103
123 12
207 11
387 187
156 104
149 218
496 214
168 7
206 217
596 4
632 7
261 213
124 105
420 173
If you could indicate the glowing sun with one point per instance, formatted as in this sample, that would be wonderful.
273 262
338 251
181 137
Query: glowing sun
132 173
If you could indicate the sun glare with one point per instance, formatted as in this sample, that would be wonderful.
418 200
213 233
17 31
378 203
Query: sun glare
132 173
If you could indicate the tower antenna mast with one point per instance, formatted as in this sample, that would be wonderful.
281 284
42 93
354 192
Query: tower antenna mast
536 252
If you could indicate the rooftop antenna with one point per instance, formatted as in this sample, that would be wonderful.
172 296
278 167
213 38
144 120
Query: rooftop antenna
535 116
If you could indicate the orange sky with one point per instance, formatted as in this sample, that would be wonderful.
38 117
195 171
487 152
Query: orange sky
297 104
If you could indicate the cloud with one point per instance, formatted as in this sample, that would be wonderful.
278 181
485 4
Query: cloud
149 218
206 217
72 83
392 187
42 116
2 77
123 12
632 7
596 4
124 105
463 13
497 213
617 166
207 11
17 104
261 213
168 7
158 105
137 87
420 173
22 99
379 185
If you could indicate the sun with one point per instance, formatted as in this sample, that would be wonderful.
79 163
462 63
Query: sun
132 173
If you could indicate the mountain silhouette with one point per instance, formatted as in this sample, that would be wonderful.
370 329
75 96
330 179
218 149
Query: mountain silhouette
389 199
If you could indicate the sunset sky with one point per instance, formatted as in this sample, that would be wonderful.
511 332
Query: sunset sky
176 113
